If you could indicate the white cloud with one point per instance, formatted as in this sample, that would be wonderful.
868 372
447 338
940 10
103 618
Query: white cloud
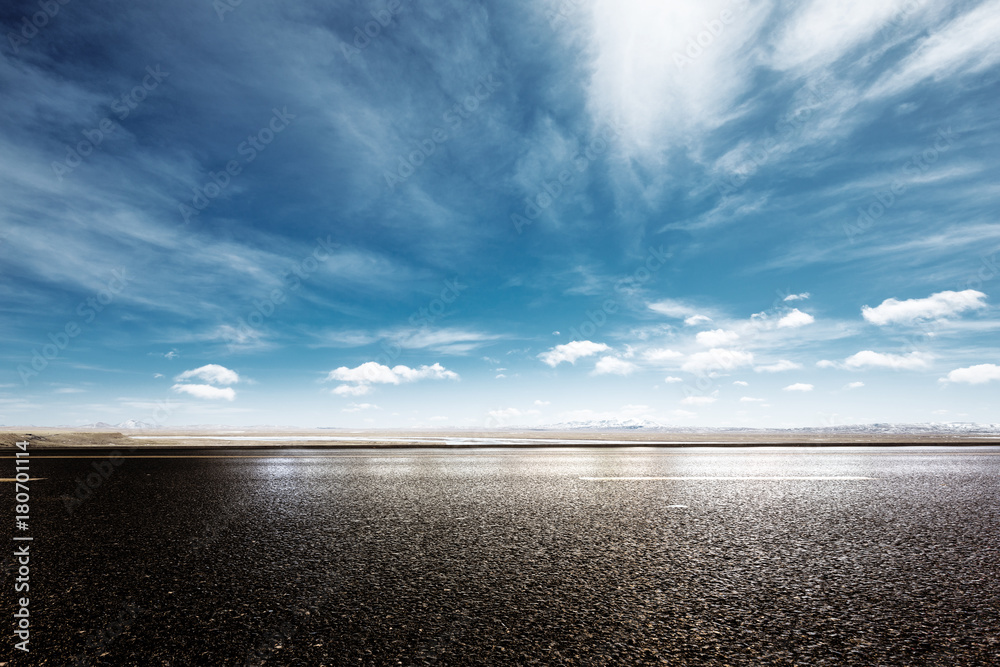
798 386
670 379
675 309
613 366
979 374
661 354
352 389
571 352
854 385
748 399
964 46
206 391
372 372
782 365
939 305
698 400
820 32
445 341
796 318
211 373
797 297
695 320
868 358
717 359
540 403
716 337
504 414
358 407
826 363
741 383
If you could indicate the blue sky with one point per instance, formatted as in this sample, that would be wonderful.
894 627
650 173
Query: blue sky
475 214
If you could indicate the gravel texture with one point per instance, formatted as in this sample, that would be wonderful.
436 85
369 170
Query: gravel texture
484 557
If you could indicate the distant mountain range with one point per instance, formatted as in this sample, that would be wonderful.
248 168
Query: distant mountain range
646 425
945 428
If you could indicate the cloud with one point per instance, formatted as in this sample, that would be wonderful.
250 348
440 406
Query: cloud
351 389
661 354
748 399
717 359
358 407
716 337
614 366
797 297
445 341
695 320
978 374
571 352
782 365
372 372
214 374
505 414
670 379
798 386
938 306
854 385
964 46
675 309
698 400
796 318
868 358
211 373
827 363
741 383
541 403
69 390
206 391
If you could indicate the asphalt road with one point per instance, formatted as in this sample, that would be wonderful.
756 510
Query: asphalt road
710 556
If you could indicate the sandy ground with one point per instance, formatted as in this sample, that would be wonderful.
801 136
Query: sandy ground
49 437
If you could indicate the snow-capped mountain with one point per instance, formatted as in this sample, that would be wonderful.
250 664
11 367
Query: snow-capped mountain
128 425
930 428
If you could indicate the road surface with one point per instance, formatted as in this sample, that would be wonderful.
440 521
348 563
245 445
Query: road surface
700 556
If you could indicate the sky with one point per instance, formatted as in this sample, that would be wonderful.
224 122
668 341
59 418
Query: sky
477 214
